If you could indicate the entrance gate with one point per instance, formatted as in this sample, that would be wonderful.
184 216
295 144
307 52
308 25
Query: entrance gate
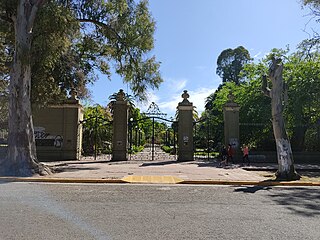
153 132
96 135
208 138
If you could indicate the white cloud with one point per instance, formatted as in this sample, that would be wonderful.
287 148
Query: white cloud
197 97
152 97
169 95
175 84
257 55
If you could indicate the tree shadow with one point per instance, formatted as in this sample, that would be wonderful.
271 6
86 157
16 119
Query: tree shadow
72 169
216 164
298 200
310 174
301 201
252 189
163 163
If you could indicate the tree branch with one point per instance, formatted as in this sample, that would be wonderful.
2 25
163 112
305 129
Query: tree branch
34 5
266 91
109 29
6 19
111 32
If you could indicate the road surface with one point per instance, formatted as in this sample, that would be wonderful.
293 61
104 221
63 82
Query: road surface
127 211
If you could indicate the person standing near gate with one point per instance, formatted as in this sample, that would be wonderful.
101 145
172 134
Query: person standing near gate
245 151
230 154
224 156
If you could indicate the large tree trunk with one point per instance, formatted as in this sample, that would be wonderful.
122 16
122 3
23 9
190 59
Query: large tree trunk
22 159
286 168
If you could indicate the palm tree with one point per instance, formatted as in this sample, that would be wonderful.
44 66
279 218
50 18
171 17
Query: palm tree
127 97
195 115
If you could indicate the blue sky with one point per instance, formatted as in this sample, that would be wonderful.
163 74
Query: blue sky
190 35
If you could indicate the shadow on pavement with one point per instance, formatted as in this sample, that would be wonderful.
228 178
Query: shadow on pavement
146 164
301 201
308 173
72 169
216 164
252 189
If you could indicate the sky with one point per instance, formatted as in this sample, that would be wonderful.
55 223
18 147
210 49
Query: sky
190 35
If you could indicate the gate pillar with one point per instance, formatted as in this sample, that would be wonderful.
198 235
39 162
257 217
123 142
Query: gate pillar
120 128
185 129
231 123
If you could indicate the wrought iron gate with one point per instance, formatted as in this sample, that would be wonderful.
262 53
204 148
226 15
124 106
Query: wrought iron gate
140 134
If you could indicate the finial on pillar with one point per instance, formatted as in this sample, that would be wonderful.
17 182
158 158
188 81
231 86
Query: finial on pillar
185 95
120 95
230 98
73 94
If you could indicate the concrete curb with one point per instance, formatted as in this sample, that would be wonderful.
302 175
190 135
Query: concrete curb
60 180
193 182
256 183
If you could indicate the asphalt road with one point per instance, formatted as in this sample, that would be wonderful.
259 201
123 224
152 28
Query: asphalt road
103 212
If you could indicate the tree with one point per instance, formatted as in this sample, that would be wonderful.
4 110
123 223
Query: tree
286 168
22 158
230 63
314 5
303 79
127 97
97 130
55 68
118 32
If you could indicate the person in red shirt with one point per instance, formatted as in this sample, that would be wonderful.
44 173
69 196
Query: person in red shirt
230 154
245 150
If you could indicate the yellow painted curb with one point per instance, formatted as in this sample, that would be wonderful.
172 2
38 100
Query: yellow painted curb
159 180
152 179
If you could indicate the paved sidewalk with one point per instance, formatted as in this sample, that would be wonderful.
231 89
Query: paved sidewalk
171 171
193 170
164 169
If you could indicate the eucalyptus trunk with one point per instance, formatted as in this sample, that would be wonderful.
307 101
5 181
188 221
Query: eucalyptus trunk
286 170
22 158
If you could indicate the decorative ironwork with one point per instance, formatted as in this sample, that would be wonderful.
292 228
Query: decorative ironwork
154 111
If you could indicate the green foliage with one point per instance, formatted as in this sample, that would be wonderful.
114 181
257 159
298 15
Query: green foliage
128 98
230 63
168 149
302 107
128 28
72 39
312 3
97 130
135 149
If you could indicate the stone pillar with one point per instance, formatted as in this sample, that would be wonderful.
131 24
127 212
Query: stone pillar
231 123
120 128
57 131
185 129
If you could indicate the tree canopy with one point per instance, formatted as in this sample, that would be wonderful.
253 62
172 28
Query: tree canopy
302 80
72 40
230 62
